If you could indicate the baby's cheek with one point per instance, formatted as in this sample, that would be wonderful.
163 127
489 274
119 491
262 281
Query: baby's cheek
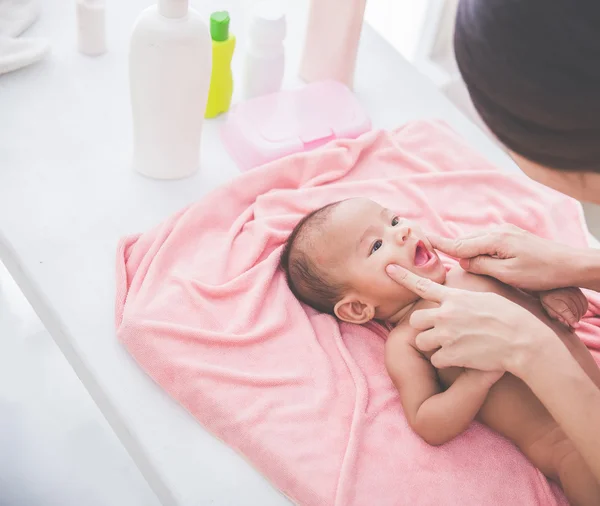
401 261
393 289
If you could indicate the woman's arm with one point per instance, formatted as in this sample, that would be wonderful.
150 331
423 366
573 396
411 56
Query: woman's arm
524 260
435 415
571 396
488 332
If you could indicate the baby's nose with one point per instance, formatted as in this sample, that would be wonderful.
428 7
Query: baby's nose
402 233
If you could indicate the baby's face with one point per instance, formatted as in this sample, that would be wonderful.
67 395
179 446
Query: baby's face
361 239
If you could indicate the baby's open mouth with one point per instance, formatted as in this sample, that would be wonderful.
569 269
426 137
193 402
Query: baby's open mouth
422 254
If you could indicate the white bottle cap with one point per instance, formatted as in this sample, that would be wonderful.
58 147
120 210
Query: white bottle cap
173 8
268 24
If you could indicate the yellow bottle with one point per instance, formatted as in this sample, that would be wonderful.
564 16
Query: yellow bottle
221 79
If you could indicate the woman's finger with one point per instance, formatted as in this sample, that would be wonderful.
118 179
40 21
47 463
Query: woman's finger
423 287
423 319
486 265
429 340
466 247
443 358
441 240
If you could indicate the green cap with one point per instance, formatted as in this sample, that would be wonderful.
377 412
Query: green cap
219 26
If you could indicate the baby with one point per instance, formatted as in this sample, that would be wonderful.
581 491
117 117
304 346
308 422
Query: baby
335 261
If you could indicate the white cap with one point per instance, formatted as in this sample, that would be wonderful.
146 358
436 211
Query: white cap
268 24
173 8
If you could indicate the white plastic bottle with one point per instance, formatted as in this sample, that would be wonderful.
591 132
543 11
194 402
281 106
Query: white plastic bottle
91 27
169 72
265 57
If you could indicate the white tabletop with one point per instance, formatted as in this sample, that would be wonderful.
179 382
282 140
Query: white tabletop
67 194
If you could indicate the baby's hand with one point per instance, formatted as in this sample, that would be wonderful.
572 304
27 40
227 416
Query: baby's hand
567 305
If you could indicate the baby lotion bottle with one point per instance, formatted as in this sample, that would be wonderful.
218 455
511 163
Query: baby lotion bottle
221 81
169 72
331 42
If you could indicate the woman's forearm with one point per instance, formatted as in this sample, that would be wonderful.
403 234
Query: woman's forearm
586 268
569 395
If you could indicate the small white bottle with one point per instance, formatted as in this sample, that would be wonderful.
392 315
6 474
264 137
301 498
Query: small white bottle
169 71
91 27
265 57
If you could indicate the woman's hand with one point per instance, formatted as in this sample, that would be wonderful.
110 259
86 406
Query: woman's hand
515 257
485 331
477 330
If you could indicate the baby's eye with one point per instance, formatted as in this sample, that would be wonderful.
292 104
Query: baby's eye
376 245
395 221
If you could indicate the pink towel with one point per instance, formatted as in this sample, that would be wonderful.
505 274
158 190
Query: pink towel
205 312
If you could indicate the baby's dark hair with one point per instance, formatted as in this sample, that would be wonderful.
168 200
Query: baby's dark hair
307 281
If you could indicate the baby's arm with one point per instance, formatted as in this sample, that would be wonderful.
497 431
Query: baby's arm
435 415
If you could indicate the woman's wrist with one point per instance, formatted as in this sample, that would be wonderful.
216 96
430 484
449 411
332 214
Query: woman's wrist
570 395
538 343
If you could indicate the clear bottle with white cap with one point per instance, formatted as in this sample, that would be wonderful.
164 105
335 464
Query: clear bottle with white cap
170 60
265 56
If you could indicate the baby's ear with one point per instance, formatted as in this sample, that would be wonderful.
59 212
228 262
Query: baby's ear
352 310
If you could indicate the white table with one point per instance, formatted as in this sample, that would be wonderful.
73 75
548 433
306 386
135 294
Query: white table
67 194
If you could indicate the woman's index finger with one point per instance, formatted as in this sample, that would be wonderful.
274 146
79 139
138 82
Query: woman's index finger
423 287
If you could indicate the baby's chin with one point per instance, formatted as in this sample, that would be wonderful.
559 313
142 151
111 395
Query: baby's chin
439 276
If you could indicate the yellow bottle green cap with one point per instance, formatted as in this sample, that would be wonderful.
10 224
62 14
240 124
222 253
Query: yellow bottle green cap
219 26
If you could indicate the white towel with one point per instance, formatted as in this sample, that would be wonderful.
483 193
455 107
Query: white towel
15 17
